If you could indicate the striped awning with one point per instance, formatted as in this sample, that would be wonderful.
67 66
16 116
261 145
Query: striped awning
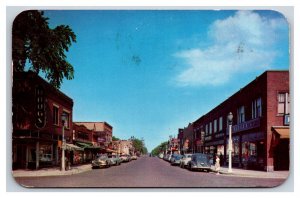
72 147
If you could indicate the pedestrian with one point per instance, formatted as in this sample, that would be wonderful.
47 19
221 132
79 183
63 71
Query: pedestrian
217 164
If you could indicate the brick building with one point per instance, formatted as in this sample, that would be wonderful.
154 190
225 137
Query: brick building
260 129
102 133
37 126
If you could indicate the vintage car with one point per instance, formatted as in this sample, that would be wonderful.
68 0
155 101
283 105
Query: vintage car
199 161
101 161
175 160
184 160
115 160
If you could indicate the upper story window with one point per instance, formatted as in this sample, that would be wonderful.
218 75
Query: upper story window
215 125
206 129
256 108
220 123
67 117
241 114
210 128
55 115
283 103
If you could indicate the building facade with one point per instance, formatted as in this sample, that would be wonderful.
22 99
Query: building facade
188 138
260 131
102 133
123 147
37 124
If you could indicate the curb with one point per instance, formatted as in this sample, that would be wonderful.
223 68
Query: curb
50 173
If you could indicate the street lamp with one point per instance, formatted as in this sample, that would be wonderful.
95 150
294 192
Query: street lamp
229 118
63 121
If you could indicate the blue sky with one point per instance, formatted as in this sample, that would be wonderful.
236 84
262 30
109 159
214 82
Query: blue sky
148 73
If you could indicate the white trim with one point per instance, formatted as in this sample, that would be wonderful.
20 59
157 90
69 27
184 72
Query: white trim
67 111
55 105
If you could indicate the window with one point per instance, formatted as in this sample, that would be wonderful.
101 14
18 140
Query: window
220 123
210 128
206 129
256 108
241 114
55 115
215 125
283 103
67 122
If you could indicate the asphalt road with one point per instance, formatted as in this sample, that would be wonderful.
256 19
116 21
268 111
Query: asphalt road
147 172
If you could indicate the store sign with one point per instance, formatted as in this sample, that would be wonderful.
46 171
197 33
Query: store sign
246 125
101 139
207 138
287 119
219 135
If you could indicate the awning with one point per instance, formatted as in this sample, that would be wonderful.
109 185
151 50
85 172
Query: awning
72 147
87 145
283 131
111 151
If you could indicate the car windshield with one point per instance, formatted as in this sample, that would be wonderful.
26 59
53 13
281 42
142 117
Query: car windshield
201 157
102 157
178 157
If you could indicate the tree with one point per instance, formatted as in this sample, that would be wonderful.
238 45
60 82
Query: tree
34 41
160 148
139 145
115 138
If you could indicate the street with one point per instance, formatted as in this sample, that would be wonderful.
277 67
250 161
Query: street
146 172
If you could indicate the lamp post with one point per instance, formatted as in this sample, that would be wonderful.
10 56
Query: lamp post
63 121
229 118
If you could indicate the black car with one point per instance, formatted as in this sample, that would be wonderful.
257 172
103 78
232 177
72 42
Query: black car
199 161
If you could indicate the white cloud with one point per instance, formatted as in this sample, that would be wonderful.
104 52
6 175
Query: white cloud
243 42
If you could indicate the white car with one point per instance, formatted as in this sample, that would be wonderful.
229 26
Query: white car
184 160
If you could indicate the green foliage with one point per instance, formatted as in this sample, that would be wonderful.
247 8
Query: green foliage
160 148
115 138
139 145
44 48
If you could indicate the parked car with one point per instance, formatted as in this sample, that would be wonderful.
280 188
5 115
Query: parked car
199 161
133 157
125 158
101 161
184 160
175 160
166 156
161 155
115 160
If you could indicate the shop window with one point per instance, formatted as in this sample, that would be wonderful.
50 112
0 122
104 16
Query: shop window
55 115
249 150
45 154
215 125
256 108
241 114
220 123
283 103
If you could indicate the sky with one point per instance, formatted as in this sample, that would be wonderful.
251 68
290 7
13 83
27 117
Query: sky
150 72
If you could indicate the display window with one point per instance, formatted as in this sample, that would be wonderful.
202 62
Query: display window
45 152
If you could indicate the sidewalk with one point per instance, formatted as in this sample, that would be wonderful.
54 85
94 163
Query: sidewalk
238 172
51 171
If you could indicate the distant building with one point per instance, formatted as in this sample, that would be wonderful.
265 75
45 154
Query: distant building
37 125
260 132
123 146
102 132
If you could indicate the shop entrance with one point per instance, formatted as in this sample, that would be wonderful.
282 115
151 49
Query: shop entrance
20 157
282 155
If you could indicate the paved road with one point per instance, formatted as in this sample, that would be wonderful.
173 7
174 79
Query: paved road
147 172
